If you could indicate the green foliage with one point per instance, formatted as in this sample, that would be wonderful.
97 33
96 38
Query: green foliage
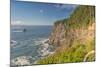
80 17
76 53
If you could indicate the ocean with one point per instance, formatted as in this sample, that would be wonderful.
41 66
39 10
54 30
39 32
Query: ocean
26 42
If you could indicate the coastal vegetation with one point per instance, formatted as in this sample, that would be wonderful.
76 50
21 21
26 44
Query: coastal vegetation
73 38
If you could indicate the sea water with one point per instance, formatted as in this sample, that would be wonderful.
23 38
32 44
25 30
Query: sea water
26 44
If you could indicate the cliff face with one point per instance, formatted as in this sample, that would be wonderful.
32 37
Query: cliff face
73 38
70 30
60 36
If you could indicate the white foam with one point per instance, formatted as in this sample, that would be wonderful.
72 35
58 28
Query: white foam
13 43
44 50
39 41
18 31
44 41
22 60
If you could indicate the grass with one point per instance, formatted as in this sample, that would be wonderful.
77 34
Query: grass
76 53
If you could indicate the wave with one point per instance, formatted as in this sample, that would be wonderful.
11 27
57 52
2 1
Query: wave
39 41
22 60
18 31
45 48
13 43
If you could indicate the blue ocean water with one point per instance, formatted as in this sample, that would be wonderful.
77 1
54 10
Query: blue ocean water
26 43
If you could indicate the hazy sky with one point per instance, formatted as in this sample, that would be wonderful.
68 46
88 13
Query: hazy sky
35 13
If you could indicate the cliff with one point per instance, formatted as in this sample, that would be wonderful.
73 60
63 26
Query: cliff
80 27
73 37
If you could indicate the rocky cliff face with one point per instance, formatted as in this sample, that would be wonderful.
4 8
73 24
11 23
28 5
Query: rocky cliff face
61 37
67 32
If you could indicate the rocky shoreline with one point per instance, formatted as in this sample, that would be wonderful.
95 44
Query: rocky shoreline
44 50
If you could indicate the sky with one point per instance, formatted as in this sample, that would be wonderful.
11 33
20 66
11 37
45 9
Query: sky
37 13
